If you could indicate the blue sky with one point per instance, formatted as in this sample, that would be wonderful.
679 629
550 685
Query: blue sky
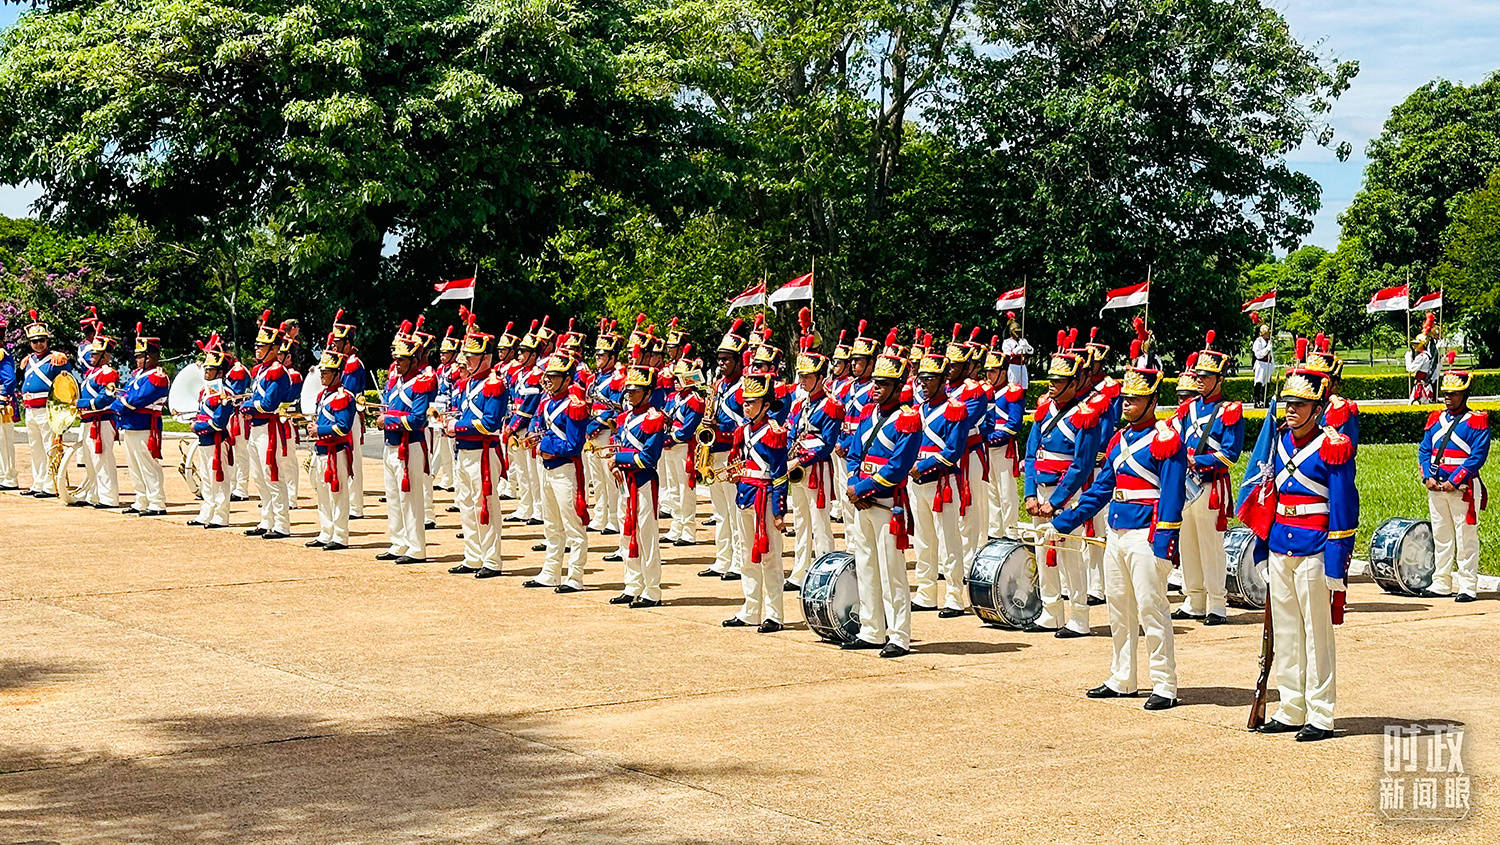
1400 44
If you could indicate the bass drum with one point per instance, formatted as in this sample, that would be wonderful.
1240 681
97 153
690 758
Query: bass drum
1244 580
312 385
182 397
1402 561
1003 585
830 598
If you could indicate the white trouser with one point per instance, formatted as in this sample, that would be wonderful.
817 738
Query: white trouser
762 582
145 471
1004 510
442 458
643 571
527 486
1455 544
974 522
7 453
333 507
101 477
729 549
1093 555
1302 624
481 540
812 525
880 568
429 490
562 527
606 503
357 480
39 439
405 511
938 545
243 471
214 509
1068 575
837 505
1135 592
275 506
680 499
1202 558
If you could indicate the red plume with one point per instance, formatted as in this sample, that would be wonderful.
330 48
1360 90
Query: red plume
510 324
734 327
974 334
994 342
340 315
1072 337
805 343
759 320
673 324
265 316
463 313
1135 349
534 324
420 320
842 333
639 318
139 327
1010 315
570 325
545 318
406 326
1255 317
1300 355
1208 339
1319 341
1062 338
449 332
1093 333
1429 322
213 340
804 318
1139 324
1452 354
862 325
202 347
329 341
687 349
33 314
891 336
1192 360
957 327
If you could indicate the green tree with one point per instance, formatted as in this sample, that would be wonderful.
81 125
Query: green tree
1469 274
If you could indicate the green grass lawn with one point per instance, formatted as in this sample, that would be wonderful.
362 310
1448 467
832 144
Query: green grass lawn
1386 474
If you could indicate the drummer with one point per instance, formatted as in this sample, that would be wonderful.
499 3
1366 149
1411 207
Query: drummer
1141 480
96 395
1453 451
138 409
211 424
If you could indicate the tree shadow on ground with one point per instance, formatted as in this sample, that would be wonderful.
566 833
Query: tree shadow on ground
20 675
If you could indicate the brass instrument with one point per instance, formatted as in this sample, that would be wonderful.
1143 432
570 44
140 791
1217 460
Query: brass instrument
522 442
1029 534
795 473
62 414
593 448
703 458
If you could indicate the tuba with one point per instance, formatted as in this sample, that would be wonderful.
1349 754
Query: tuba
62 414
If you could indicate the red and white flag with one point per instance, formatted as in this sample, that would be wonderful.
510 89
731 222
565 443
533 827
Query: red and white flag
1261 303
1128 296
456 289
754 295
1011 299
1431 302
798 288
1389 299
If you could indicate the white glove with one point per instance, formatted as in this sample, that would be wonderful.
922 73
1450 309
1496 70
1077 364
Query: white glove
1335 585
1047 532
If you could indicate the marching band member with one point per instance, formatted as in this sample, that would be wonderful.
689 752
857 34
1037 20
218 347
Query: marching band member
504 368
1214 434
838 380
526 394
638 440
881 452
138 408
355 379
8 479
853 394
816 421
1421 364
1262 352
558 427
1015 349
407 394
1454 448
728 417
271 458
685 413
1310 540
935 478
1007 412
214 455
434 414
760 450
448 372
1341 413
1060 454
96 399
973 475
1141 481
332 432
237 383
607 394
1104 393
290 334
478 418
38 369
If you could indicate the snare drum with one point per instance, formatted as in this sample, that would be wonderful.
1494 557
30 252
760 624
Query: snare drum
830 598
1003 586
1244 579
1401 556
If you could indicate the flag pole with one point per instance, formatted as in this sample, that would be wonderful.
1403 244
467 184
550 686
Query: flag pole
1147 319
1025 283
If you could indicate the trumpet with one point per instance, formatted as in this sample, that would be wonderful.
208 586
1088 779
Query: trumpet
523 442
1030 534
593 448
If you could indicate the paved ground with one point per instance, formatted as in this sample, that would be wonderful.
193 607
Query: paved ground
162 683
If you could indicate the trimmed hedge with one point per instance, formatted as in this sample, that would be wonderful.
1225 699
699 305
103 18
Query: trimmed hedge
1356 387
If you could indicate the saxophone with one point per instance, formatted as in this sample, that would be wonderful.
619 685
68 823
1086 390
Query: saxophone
703 459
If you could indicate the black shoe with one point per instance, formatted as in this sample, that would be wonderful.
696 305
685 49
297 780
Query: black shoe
250 532
539 547
1034 628
730 576
533 522
328 547
735 622
1094 601
623 598
893 650
82 504
1069 633
45 495
612 557
356 516
213 525
102 506
515 519
608 532
1159 702
462 569
566 588
387 556
639 603
239 498
406 559
189 522
311 544
1215 619
533 584
451 509
683 543
858 644
1428 594
1184 615
1462 598
770 626
1271 726
709 573
789 587
458 536
488 573
274 535
132 509
1312 734
922 608
951 613
430 525
1106 691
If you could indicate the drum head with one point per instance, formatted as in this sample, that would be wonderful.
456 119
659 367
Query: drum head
1002 581
830 598
312 385
1415 561
1244 580
182 398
